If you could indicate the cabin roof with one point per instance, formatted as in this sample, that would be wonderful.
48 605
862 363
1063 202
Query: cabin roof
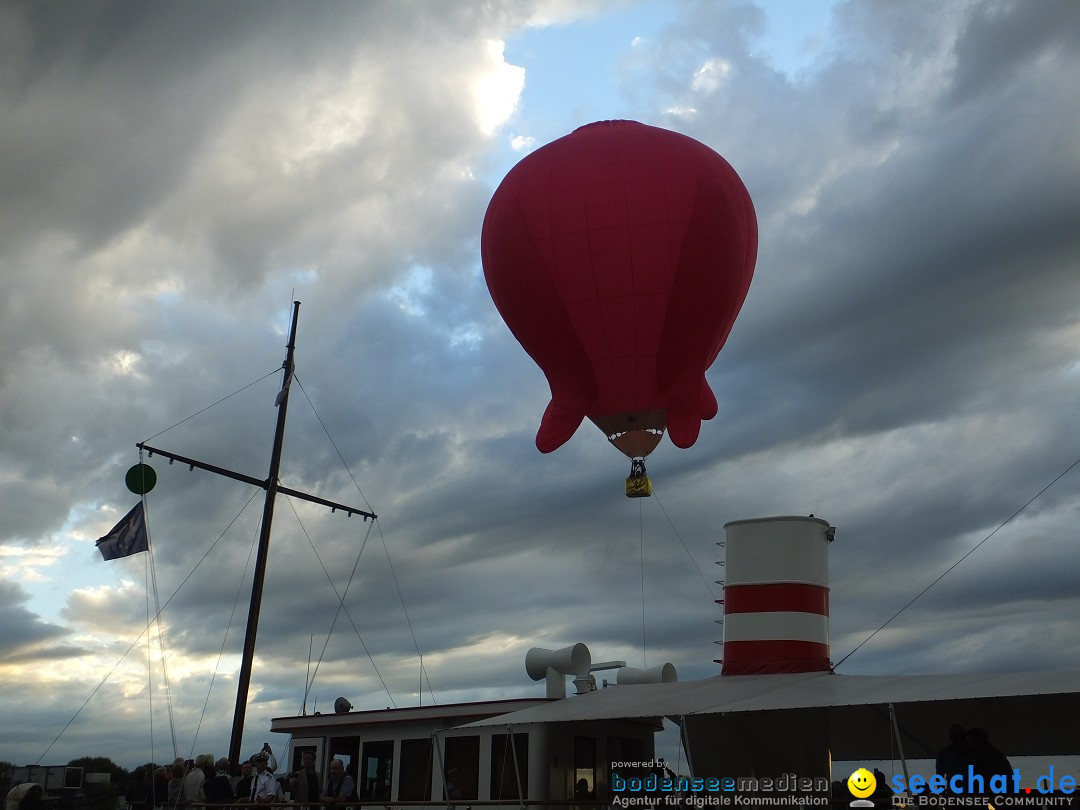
450 714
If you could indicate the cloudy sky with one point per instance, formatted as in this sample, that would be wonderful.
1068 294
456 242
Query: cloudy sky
173 174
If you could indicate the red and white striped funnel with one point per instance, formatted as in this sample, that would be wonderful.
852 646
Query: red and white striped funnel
776 596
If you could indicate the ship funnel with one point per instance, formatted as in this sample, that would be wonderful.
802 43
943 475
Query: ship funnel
776 596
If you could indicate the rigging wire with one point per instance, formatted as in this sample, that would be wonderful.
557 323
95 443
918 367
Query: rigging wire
333 444
382 537
341 605
146 629
149 640
408 621
160 608
307 675
945 573
217 664
161 635
212 404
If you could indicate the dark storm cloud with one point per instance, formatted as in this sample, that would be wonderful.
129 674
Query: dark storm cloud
25 636
158 151
908 339
36 498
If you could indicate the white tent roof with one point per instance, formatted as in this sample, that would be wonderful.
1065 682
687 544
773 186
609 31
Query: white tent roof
1025 712
747 693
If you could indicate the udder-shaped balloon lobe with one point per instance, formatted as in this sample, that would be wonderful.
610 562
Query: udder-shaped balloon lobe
530 305
704 303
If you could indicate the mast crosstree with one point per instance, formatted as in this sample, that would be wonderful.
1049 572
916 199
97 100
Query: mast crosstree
272 487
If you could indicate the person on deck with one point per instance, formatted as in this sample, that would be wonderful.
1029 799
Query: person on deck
305 785
955 757
218 789
159 787
988 761
192 789
264 787
176 779
339 786
271 760
139 793
242 786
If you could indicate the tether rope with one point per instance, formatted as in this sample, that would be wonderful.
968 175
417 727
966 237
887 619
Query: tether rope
641 548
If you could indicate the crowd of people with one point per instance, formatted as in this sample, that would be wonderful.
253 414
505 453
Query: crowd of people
204 781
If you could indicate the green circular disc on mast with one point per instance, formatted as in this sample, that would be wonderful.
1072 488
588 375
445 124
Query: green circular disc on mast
140 479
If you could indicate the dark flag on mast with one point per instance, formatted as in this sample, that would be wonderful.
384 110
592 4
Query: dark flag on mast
127 537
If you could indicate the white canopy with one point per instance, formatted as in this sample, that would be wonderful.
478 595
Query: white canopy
1025 713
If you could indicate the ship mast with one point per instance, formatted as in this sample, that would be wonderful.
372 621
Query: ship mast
240 711
272 487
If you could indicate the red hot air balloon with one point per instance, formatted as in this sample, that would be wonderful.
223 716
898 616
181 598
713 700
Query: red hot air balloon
619 256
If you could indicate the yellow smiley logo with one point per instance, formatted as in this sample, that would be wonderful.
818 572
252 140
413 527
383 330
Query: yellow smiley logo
861 783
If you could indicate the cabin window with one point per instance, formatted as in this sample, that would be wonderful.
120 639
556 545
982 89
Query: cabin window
462 762
584 768
414 780
376 765
504 777
345 749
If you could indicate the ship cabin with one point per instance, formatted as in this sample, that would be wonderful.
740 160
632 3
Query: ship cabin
459 752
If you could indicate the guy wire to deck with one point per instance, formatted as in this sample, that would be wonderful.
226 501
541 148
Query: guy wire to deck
946 572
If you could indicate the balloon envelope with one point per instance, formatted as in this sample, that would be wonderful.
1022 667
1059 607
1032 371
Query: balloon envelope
619 256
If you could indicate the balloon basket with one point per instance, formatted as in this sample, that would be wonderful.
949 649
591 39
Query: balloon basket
638 486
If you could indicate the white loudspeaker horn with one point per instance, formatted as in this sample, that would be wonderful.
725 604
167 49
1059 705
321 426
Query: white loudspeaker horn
662 674
574 660
554 664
